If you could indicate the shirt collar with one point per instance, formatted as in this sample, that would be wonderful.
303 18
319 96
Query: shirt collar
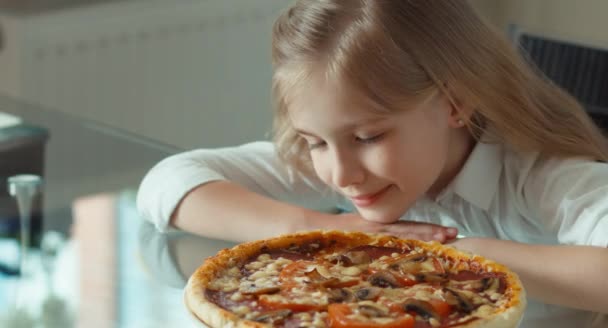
477 181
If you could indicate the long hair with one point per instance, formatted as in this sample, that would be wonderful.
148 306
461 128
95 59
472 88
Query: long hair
394 52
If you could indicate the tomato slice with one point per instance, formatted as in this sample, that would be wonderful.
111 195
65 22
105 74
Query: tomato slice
285 301
339 318
400 279
292 270
441 307
295 269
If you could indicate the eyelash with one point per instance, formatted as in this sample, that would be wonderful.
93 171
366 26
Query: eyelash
312 146
369 140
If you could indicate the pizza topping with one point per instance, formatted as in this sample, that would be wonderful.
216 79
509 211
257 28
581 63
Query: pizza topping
371 310
368 293
294 252
376 252
416 263
273 317
308 319
253 289
340 295
365 316
356 258
378 286
460 300
384 279
431 277
303 301
351 271
320 280
489 284
422 308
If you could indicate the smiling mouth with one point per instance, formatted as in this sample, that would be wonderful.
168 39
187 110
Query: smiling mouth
369 199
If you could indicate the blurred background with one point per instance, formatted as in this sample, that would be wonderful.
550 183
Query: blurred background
193 73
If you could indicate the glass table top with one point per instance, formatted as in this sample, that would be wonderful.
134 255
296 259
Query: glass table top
94 262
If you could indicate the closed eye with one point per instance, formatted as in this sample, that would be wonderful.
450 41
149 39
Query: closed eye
370 140
315 145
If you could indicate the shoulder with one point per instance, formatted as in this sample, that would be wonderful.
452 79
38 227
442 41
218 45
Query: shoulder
557 174
533 170
549 185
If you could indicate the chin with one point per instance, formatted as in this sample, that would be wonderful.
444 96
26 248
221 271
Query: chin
379 216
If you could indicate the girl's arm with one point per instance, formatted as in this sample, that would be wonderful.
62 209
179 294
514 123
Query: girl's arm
572 276
225 210
239 215
245 193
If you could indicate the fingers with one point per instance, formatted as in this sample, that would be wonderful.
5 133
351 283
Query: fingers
421 231
403 229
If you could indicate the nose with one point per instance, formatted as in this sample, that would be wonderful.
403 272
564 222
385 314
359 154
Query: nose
346 170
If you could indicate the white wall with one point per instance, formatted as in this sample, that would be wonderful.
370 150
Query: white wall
189 73
10 56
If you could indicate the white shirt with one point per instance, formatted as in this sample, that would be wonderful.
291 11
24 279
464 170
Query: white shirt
497 194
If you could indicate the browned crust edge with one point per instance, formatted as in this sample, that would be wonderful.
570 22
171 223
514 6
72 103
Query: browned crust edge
214 316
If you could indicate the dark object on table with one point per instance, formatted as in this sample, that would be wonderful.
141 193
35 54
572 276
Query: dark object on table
21 152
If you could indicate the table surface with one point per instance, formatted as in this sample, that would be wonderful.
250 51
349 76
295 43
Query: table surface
111 268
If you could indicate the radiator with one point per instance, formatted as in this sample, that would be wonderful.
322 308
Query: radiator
580 69
188 73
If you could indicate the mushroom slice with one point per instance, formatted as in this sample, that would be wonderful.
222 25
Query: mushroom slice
417 257
340 295
371 310
431 277
491 284
253 289
421 308
314 275
368 293
383 279
340 260
319 279
351 258
358 257
462 302
409 264
273 317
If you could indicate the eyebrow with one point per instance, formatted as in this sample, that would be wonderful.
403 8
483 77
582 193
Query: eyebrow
346 127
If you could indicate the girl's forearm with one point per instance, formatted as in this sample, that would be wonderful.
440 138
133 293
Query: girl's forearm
224 210
572 276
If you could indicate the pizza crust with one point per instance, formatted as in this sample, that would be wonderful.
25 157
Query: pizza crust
214 316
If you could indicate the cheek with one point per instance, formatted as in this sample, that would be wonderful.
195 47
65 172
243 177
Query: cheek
411 165
321 167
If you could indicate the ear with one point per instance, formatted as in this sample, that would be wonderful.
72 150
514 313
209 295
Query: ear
457 117
459 114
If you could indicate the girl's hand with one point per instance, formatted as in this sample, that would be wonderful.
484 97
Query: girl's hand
402 229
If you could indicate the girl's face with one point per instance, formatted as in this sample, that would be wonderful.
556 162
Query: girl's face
382 162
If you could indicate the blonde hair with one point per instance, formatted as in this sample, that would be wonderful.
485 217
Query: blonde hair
397 51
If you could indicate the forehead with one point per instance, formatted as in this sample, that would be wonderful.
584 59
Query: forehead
315 91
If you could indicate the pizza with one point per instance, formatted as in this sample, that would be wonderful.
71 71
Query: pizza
352 279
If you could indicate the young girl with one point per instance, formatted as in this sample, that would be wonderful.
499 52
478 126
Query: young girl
422 120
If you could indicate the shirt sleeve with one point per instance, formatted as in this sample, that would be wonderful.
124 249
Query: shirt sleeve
254 166
570 197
